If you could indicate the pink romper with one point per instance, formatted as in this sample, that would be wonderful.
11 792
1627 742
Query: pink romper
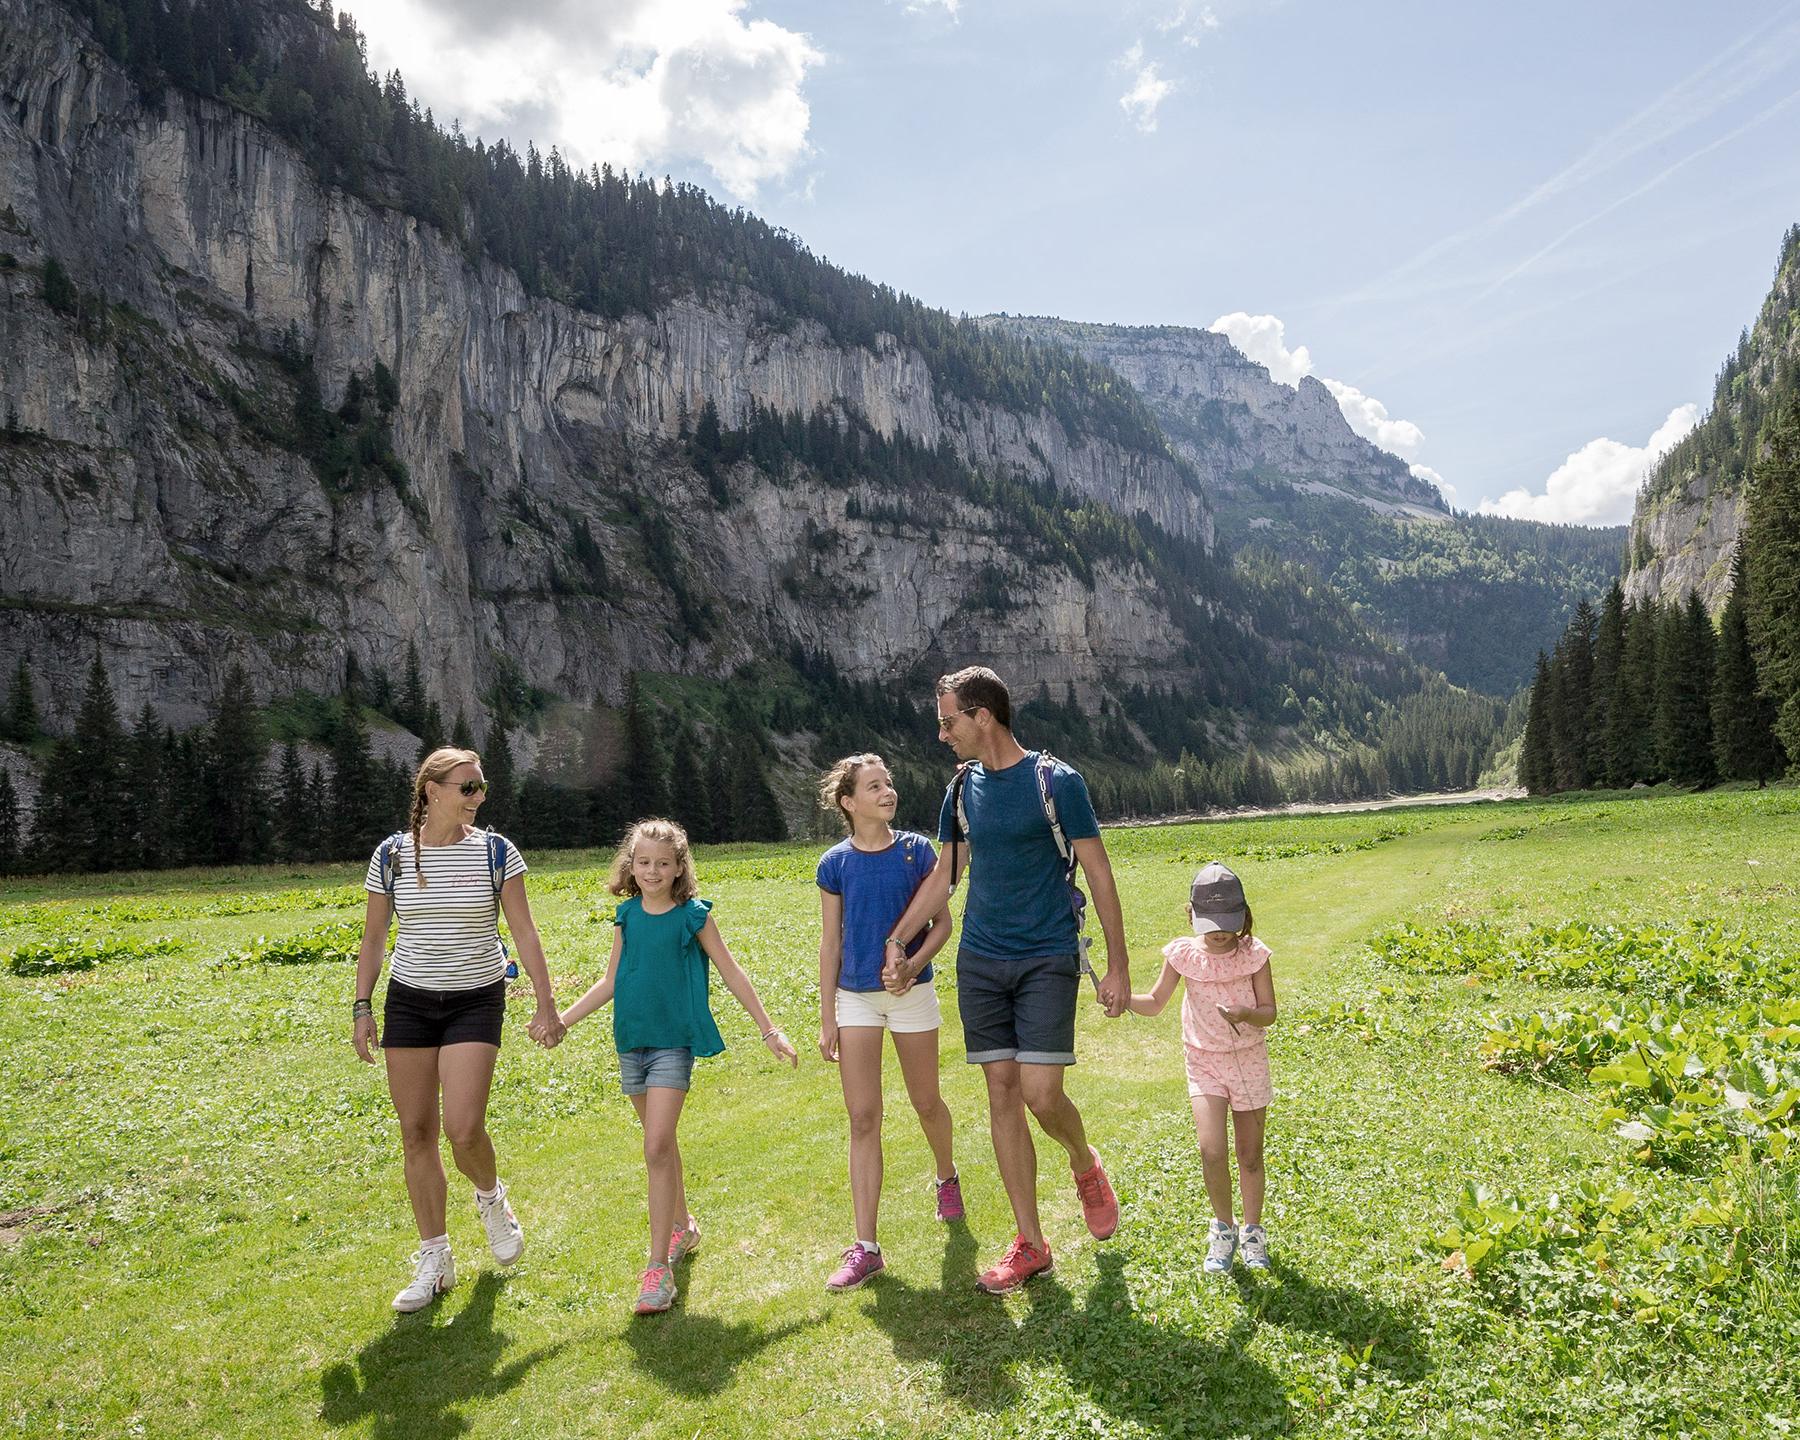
1220 1061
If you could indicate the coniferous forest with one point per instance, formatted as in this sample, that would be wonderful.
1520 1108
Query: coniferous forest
1646 692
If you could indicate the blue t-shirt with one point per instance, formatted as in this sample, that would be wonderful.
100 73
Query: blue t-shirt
659 996
1018 905
877 886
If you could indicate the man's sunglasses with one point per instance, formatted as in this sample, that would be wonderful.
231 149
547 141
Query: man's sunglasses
946 721
473 787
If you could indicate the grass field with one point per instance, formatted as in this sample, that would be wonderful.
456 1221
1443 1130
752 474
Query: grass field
204 1215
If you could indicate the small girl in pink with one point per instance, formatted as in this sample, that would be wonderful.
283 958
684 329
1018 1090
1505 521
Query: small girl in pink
1230 1002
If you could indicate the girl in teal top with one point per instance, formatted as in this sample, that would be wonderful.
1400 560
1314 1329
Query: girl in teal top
657 978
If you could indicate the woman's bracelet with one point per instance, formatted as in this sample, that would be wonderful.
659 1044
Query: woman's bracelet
360 1008
772 1030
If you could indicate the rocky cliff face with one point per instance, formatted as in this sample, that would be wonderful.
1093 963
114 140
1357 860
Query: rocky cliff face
1234 423
1684 528
155 506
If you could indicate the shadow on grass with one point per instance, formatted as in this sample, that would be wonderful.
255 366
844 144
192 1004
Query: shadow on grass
413 1377
699 1355
1153 1375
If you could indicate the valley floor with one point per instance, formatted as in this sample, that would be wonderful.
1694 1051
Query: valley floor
204 1215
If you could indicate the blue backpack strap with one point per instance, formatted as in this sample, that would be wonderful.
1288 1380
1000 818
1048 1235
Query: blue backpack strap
390 861
959 817
496 853
1045 770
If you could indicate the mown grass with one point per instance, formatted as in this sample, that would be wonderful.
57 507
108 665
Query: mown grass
205 1216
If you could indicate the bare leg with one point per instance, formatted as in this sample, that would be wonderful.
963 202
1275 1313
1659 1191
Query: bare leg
1055 1111
1247 1126
918 1052
659 1108
1013 1151
466 1071
1215 1162
859 1068
413 1084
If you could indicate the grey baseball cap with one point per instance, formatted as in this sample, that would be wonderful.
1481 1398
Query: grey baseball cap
1218 899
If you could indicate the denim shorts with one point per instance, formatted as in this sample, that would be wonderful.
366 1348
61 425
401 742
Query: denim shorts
667 1067
1020 1010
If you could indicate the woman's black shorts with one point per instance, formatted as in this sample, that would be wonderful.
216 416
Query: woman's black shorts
424 1019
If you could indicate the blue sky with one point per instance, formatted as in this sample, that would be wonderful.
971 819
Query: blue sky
1517 242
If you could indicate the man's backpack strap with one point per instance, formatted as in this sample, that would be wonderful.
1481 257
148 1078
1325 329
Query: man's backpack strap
959 819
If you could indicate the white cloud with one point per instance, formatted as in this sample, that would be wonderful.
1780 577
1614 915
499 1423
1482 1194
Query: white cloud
949 7
1369 418
1263 338
1189 23
1148 90
637 83
1598 483
1426 473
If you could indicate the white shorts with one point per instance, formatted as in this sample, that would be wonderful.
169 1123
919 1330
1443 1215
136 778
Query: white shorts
904 1014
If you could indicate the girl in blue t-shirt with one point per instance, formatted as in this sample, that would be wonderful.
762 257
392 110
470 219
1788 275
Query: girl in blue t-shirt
865 884
662 939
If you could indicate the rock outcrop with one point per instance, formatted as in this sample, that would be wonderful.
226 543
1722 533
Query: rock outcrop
158 508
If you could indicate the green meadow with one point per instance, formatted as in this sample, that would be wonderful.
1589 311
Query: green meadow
1537 1073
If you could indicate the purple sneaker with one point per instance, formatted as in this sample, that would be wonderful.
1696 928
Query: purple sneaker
949 1198
859 1266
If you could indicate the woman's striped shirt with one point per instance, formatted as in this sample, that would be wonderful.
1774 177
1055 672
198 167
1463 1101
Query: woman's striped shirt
449 931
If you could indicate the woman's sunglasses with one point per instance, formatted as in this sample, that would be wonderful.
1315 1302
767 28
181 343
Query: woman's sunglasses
473 787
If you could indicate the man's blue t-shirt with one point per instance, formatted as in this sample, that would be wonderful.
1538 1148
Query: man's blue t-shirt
1018 905
877 886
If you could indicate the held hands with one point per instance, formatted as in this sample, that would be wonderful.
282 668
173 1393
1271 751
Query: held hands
1114 991
828 1041
547 1027
782 1050
897 969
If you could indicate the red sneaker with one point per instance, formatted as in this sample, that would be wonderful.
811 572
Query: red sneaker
1021 1261
1099 1206
949 1199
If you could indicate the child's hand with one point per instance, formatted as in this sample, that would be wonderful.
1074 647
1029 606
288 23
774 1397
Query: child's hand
1232 1014
828 1040
781 1049
546 1027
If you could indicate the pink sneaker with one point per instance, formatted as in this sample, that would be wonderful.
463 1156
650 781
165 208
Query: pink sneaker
1099 1206
685 1241
1021 1261
949 1198
859 1267
656 1291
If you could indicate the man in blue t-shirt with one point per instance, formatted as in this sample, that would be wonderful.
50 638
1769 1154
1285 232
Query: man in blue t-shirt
1019 961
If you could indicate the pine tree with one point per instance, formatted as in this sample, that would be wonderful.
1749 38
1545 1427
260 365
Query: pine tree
1683 716
757 812
461 736
430 730
236 751
20 724
11 836
292 839
1744 744
500 812
356 804
1537 769
1609 654
1572 699
1771 546
79 822
688 797
1630 753
144 819
726 823
644 779
318 814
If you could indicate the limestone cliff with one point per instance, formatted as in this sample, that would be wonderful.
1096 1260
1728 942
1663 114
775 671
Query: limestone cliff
1684 529
1238 427
157 506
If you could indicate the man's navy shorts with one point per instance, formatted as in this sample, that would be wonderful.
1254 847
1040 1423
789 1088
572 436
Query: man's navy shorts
1020 1010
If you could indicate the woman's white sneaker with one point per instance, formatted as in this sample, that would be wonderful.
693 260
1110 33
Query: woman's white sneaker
434 1272
1254 1247
1221 1246
506 1238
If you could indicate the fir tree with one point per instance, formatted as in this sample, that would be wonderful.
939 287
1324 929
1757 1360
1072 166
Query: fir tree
645 784
688 797
293 838
461 736
60 293
1744 744
79 819
20 722
1630 753
142 792
753 804
236 751
1571 700
356 805
1682 721
1537 769
1609 654
497 765
318 813
430 730
1771 546
725 821
11 837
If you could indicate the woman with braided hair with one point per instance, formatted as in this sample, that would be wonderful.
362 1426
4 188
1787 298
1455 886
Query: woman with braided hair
447 883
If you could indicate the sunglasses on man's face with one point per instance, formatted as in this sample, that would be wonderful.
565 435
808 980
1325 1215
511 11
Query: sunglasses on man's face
473 787
946 721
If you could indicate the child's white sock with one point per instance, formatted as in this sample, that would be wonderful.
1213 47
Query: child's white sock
870 1246
436 1242
481 1194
